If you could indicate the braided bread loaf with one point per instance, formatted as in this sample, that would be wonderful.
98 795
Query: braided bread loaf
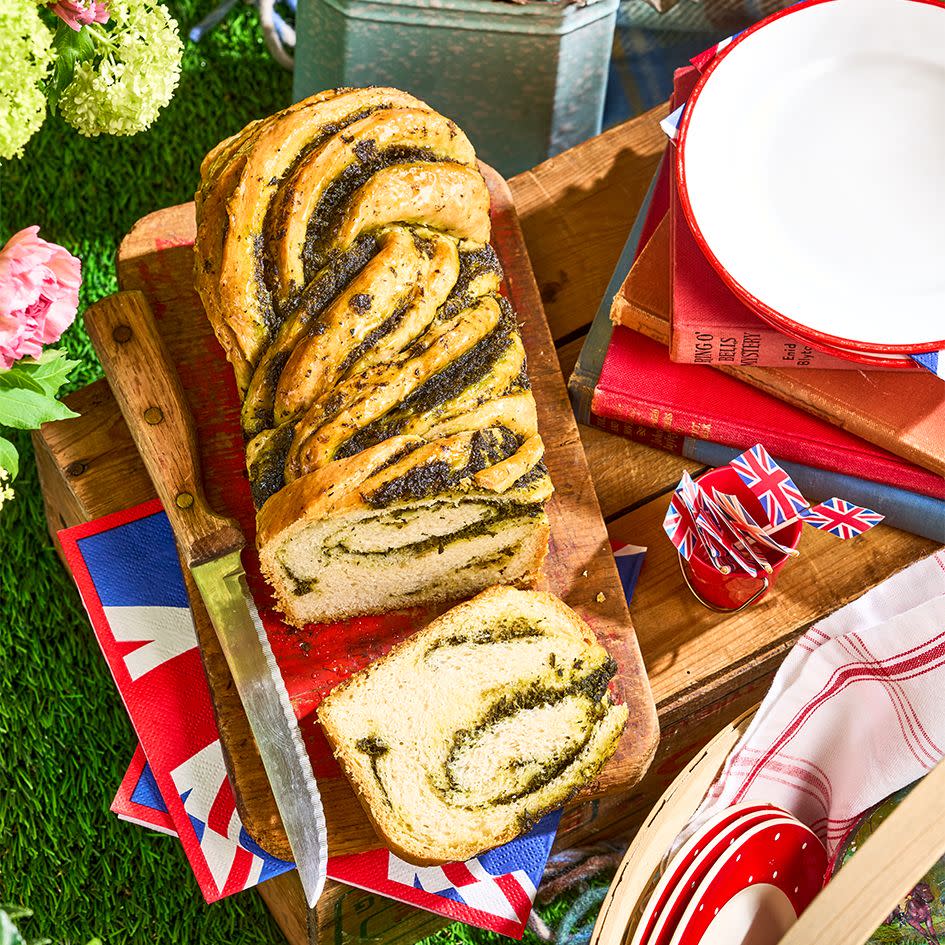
342 257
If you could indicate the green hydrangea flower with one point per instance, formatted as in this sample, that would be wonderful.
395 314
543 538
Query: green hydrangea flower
6 490
25 55
132 76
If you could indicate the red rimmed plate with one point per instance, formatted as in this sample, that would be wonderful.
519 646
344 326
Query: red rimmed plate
755 891
690 865
809 168
870 359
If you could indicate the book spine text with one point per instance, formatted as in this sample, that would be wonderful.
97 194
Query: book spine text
749 347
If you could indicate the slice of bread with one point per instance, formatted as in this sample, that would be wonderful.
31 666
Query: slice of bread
467 733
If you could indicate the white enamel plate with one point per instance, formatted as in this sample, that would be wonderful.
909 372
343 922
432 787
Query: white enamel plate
811 168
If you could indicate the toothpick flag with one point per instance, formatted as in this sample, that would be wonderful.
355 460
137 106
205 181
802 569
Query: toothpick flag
736 543
714 543
678 526
841 518
773 487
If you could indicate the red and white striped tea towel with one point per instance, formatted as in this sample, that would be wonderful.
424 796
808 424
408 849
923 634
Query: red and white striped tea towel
856 711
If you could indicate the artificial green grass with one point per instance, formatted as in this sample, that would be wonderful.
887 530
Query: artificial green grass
65 740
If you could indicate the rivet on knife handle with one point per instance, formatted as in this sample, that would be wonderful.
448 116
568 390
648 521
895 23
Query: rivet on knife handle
125 336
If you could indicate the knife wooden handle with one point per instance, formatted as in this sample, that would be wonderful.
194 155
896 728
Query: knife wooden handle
148 390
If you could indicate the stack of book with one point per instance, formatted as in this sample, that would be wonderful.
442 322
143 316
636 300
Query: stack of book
675 360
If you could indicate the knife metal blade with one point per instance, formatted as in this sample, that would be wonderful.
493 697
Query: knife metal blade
233 613
145 384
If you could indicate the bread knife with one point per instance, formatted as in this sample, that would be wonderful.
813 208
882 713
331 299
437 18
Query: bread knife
149 393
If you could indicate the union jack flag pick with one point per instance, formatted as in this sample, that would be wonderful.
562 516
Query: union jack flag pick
689 493
741 519
771 485
679 528
841 518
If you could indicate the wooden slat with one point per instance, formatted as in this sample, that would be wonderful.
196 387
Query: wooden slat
568 355
100 454
628 473
73 456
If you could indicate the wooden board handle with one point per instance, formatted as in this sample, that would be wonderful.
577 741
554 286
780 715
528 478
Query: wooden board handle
148 390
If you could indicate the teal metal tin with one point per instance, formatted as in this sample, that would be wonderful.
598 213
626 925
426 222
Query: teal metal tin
525 81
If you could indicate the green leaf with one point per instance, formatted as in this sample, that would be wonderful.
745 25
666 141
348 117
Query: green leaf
70 48
9 458
49 372
27 410
16 378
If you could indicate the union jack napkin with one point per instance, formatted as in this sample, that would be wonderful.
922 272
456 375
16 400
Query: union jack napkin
127 571
932 361
855 712
492 890
139 799
128 574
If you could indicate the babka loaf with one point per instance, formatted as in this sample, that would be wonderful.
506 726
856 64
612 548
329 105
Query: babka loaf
464 735
343 258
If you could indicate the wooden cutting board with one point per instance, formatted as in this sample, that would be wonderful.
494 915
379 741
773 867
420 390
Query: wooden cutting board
157 259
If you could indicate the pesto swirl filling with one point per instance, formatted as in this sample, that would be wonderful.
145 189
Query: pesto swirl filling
521 741
468 524
486 764
330 210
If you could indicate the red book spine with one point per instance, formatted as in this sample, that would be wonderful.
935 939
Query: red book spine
755 346
650 436
667 428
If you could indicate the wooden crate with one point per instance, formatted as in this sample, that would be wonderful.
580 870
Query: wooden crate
705 668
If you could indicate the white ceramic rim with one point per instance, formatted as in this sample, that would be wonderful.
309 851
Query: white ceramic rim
915 323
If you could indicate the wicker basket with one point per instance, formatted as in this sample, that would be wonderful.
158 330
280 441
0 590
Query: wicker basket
900 852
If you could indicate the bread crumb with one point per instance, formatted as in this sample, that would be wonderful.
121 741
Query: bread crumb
584 573
601 597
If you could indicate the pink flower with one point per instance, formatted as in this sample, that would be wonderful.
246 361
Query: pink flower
78 13
39 295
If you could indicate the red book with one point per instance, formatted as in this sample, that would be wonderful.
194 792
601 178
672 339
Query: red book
711 326
648 397
709 323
